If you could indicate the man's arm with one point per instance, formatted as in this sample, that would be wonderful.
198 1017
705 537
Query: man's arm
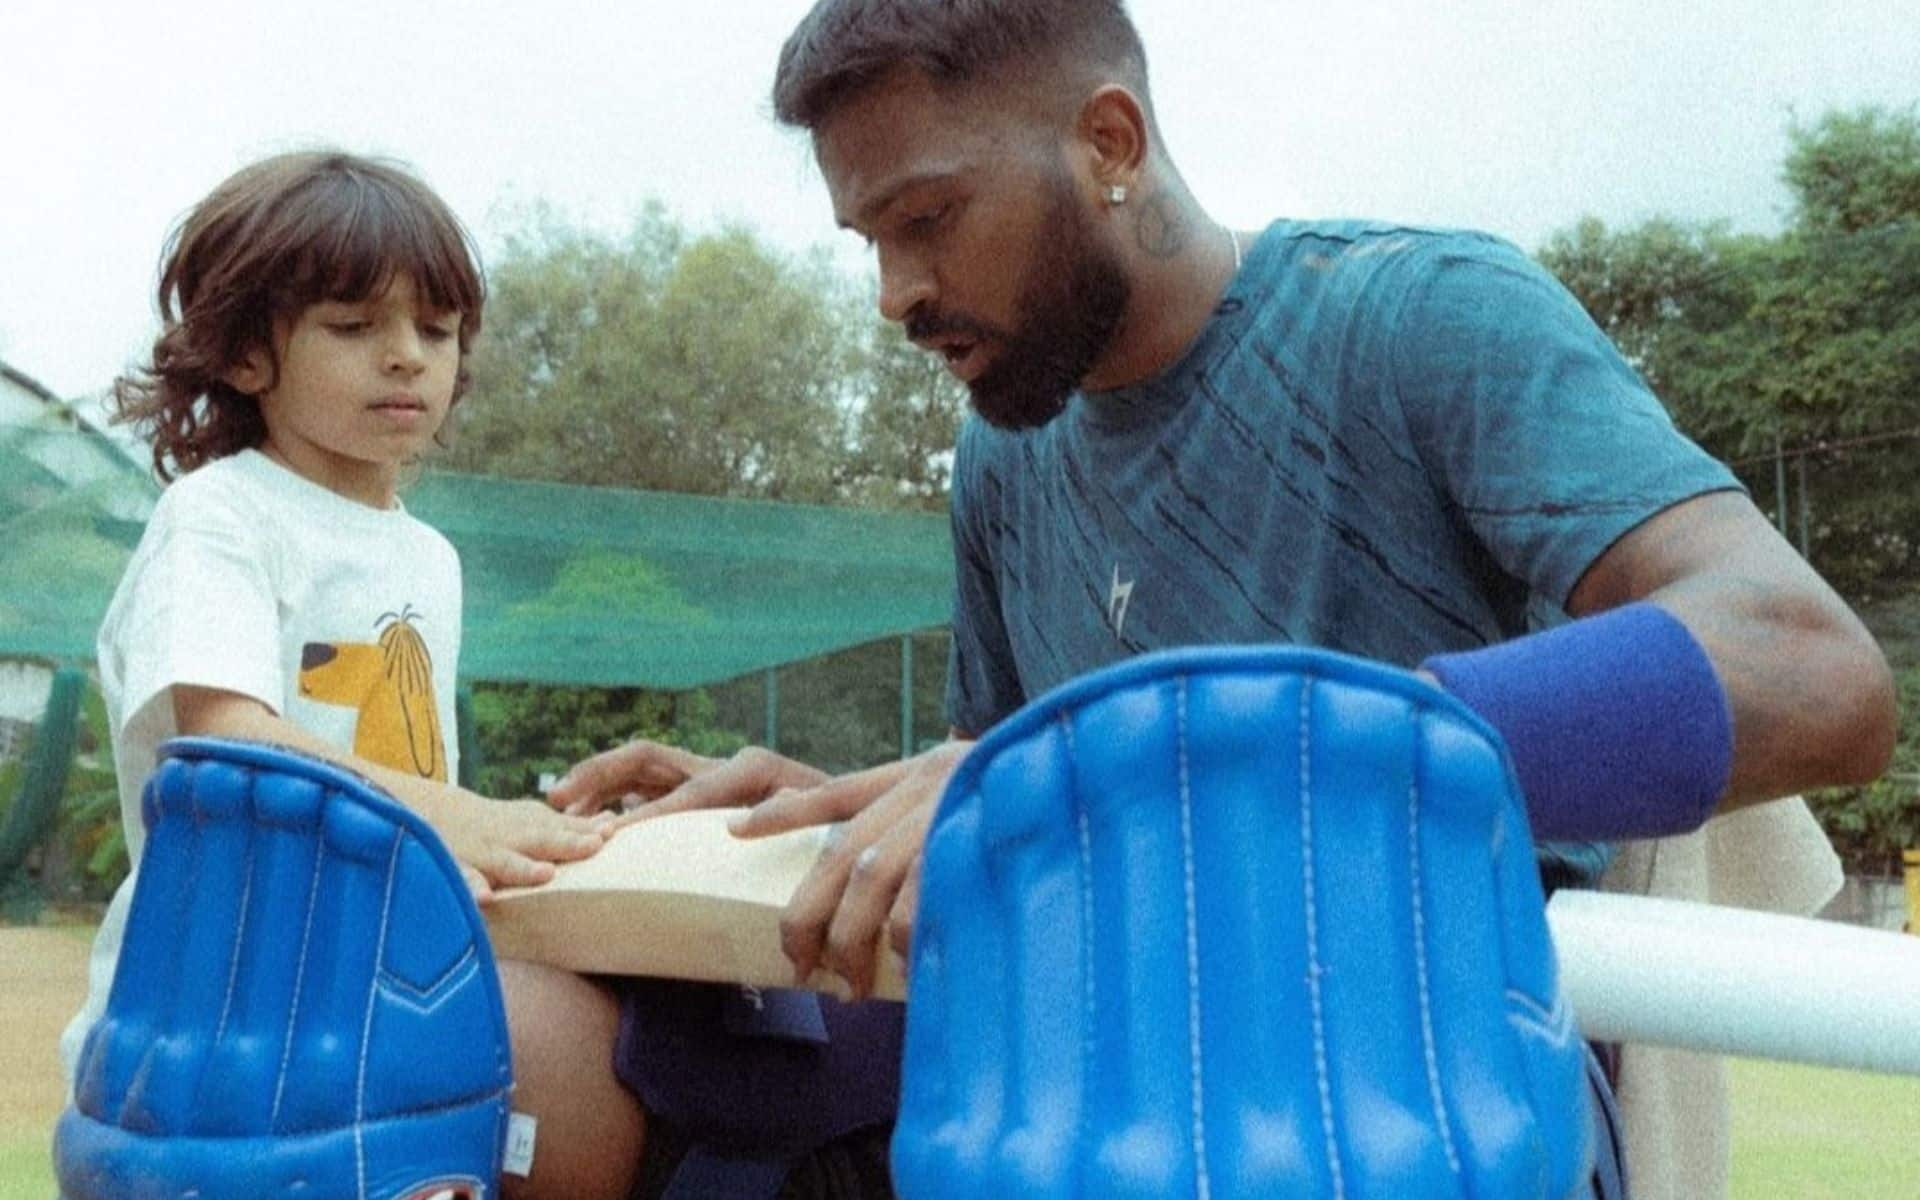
1811 695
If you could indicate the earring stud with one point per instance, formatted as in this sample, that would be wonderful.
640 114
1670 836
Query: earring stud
1116 193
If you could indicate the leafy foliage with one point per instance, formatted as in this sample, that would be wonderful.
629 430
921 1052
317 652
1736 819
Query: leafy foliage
527 730
1871 826
710 365
1806 343
904 428
85 856
1857 170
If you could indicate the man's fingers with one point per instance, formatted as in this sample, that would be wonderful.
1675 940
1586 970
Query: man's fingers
873 885
906 906
836 913
746 778
804 924
643 766
835 799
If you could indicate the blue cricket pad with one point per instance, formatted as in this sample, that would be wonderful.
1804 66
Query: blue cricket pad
305 1005
1238 922
1617 723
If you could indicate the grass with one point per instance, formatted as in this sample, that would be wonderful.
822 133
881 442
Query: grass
26 1171
1799 1133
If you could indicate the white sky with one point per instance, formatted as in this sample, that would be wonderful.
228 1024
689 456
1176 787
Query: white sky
1517 116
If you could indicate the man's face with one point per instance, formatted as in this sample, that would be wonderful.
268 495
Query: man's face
987 253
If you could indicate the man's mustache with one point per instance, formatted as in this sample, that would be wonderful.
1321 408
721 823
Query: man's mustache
923 325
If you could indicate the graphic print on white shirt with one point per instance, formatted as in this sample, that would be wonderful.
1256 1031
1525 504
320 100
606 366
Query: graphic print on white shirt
389 685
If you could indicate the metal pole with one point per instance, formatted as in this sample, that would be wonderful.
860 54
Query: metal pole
906 695
1910 864
1779 484
467 736
772 739
1805 548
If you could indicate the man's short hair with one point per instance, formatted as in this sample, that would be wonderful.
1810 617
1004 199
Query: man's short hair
845 46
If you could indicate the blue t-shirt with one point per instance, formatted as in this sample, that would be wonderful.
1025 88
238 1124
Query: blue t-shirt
1387 441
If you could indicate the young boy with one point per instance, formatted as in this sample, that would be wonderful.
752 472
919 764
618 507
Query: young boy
316 310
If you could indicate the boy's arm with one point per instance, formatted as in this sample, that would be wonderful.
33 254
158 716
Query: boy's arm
496 842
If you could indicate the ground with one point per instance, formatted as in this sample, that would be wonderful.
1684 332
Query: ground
42 979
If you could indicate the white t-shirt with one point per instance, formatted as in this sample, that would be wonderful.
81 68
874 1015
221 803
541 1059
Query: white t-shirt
252 579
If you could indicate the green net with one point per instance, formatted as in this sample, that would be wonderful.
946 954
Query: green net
564 585
71 510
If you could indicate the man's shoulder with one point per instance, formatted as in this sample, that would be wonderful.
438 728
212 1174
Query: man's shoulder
1356 253
1316 285
1367 237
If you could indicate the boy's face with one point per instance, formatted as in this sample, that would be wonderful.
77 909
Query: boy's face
361 389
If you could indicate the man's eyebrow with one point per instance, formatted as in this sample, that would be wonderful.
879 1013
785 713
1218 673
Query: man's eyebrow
879 204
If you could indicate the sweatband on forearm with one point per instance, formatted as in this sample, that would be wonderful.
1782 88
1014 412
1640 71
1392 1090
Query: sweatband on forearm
1617 724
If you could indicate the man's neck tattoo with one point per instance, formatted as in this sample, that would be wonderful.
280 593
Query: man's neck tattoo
1161 230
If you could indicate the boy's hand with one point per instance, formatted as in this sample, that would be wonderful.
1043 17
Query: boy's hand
498 843
509 843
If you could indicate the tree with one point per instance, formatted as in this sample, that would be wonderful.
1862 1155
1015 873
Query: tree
904 429
1807 342
1653 289
709 365
712 365
1855 171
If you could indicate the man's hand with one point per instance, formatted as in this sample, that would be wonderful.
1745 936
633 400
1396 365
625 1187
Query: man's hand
648 779
869 874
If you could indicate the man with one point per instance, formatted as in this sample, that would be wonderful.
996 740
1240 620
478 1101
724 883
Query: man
1399 443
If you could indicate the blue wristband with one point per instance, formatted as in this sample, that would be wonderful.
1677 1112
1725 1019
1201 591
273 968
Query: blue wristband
1617 724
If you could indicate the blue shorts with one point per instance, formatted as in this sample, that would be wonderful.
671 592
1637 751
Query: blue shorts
748 1090
768 1092
1609 1152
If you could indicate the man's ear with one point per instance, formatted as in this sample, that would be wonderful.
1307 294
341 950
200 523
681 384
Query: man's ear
1114 130
253 374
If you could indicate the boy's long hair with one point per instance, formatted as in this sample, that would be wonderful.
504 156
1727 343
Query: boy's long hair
280 235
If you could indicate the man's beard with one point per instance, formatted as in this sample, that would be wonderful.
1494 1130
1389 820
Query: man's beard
1072 301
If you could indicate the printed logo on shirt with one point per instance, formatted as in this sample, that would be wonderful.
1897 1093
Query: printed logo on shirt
389 682
1118 595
